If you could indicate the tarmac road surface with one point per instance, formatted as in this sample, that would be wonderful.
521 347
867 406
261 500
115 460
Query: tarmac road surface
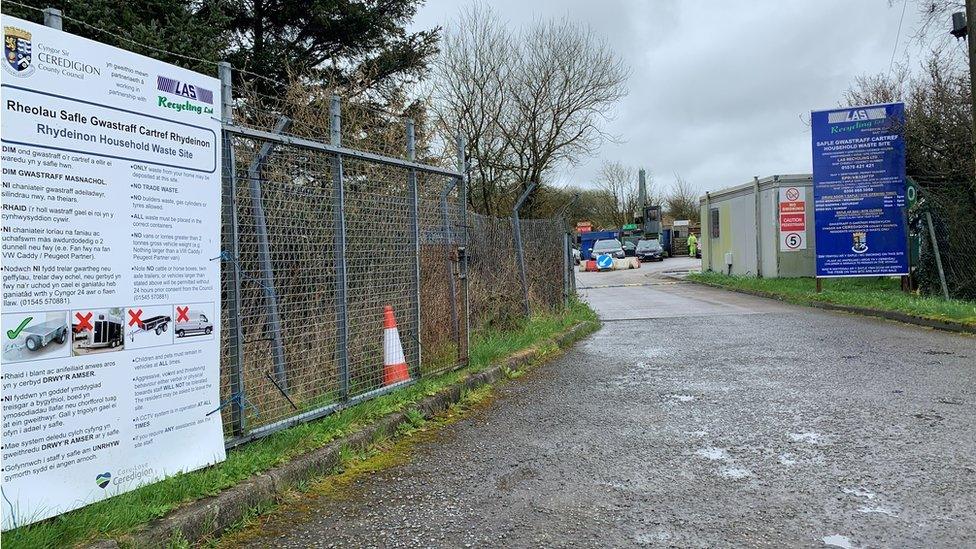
693 418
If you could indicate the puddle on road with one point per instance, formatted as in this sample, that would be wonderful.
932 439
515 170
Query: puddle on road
644 366
837 540
879 509
859 492
809 438
787 459
734 473
654 352
714 454
652 538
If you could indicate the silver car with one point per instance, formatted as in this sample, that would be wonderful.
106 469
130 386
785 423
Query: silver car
611 247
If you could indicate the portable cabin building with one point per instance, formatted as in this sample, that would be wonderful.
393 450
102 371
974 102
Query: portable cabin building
763 228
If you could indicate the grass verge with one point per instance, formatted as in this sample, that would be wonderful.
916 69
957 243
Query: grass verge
880 294
112 517
297 504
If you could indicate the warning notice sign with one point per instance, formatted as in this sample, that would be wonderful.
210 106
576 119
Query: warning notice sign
792 219
110 221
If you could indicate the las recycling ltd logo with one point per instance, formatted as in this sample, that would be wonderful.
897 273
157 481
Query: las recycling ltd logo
856 119
17 52
186 91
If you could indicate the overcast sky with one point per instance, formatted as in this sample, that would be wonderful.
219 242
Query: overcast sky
718 89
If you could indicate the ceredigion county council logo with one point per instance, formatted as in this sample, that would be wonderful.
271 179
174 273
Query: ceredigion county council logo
860 242
103 479
17 51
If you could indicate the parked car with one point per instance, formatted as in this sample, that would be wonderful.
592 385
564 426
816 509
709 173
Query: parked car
650 250
629 248
576 255
197 325
611 247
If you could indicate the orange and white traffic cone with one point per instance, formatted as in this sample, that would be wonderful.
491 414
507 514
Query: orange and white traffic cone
394 363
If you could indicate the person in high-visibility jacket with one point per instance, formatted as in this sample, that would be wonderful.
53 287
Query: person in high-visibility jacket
692 245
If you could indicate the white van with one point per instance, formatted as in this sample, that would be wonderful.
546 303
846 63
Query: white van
197 325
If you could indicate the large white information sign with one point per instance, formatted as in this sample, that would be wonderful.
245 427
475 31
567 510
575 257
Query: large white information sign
110 319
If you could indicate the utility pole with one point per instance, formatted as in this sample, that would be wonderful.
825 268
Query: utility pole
971 16
960 27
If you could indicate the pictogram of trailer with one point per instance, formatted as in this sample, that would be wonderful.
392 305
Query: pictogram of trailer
39 335
157 324
105 332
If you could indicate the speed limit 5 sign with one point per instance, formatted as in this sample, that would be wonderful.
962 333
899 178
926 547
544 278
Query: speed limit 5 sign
793 241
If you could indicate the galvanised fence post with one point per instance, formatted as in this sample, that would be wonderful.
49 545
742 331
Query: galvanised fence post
519 249
342 312
566 268
463 169
254 172
448 262
415 230
52 18
236 365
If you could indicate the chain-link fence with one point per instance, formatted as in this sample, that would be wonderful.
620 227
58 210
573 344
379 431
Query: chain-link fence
496 292
320 238
947 212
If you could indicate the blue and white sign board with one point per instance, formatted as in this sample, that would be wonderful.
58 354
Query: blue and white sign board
859 191
604 262
111 221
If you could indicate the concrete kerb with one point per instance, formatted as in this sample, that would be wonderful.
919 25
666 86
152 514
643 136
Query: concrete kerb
945 325
209 517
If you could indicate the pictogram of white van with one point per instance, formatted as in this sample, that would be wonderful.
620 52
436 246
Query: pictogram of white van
198 324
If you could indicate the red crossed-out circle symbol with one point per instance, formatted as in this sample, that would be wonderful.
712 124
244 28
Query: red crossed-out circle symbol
83 322
182 314
135 317
792 194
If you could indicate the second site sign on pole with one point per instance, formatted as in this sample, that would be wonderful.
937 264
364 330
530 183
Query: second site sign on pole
859 191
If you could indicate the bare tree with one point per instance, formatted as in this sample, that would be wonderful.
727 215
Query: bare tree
682 200
528 100
564 83
618 186
469 95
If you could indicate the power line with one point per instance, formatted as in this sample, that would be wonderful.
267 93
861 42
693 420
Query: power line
894 50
